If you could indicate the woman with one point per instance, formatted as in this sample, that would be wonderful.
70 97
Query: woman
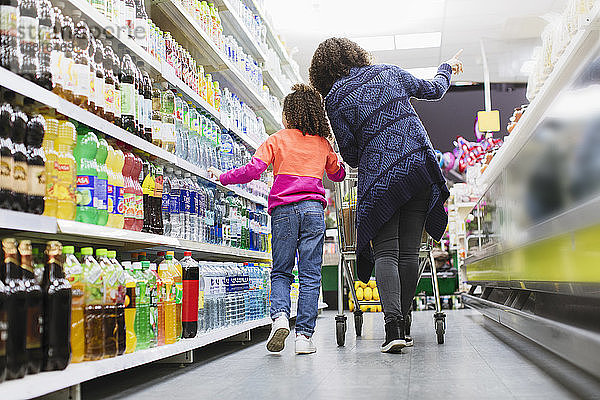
401 189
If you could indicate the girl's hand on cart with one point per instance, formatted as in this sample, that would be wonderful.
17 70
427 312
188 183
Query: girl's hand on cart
214 173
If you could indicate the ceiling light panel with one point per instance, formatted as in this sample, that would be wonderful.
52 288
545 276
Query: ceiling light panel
418 40
375 43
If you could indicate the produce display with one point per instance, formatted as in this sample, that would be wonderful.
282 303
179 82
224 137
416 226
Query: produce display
368 292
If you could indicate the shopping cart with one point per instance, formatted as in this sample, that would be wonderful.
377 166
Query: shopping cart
345 207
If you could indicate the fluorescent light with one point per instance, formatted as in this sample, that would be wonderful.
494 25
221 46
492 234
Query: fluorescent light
423 73
375 43
528 67
464 83
418 40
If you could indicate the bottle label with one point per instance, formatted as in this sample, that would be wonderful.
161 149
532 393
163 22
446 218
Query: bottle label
184 198
148 185
200 299
190 300
6 168
158 184
139 206
174 204
168 132
45 39
100 193
99 91
65 168
36 180
148 112
130 297
93 276
110 198
109 98
129 18
19 177
156 131
192 202
166 202
68 73
129 205
118 200
86 185
28 30
77 292
128 99
56 66
81 77
9 20
139 111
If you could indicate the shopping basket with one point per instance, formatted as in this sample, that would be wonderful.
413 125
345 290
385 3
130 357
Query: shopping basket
345 207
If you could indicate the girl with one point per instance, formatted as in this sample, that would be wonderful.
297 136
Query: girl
300 154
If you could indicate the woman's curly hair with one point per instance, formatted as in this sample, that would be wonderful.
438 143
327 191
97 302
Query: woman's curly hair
304 110
333 60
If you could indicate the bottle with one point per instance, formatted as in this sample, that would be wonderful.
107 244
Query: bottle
128 95
74 274
139 195
122 280
177 274
175 206
34 305
128 22
147 105
141 26
9 34
180 135
99 78
36 185
109 95
6 153
156 201
118 104
166 202
65 189
156 125
201 299
94 310
57 310
148 185
57 51
166 310
92 71
153 279
139 101
110 277
81 66
190 301
19 169
184 202
16 308
130 305
3 328
45 33
168 119
142 315
100 188
87 174
68 59
28 25
114 189
129 191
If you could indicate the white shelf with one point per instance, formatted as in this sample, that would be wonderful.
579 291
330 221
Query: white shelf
26 88
277 88
579 51
48 382
21 221
187 31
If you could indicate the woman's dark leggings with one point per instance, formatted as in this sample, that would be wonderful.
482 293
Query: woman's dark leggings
396 249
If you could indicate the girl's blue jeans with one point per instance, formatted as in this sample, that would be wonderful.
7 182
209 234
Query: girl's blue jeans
297 227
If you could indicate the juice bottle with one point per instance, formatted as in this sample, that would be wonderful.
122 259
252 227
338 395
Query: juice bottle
94 310
122 304
168 120
130 313
166 308
153 283
156 118
109 279
100 188
128 191
177 274
64 190
190 295
57 310
115 163
16 308
142 317
109 85
87 173
139 195
34 305
74 273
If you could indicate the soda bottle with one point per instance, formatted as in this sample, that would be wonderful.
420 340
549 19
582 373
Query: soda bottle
36 185
9 54
185 202
130 306
147 105
109 93
168 119
87 173
94 309
139 101
175 206
6 155
28 24
156 201
45 32
114 189
110 277
81 66
167 322
139 195
74 274
19 155
34 305
65 189
99 77
122 280
118 105
190 300
156 118
148 185
142 316
128 95
141 27
57 310
128 191
166 201
100 188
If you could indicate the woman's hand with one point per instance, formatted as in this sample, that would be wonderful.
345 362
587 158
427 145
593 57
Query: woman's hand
214 173
455 63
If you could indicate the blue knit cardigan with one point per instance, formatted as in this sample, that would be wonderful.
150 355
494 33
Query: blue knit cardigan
378 131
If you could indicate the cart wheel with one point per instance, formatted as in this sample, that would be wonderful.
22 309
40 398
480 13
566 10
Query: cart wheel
439 330
358 322
340 332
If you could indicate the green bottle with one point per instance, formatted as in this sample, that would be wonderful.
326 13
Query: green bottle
142 317
100 190
87 173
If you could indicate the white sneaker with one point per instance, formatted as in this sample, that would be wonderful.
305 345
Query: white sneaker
304 345
279 332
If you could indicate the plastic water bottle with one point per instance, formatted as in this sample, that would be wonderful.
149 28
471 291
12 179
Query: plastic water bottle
222 298
227 152
185 206
174 206
201 298
193 219
166 201
200 210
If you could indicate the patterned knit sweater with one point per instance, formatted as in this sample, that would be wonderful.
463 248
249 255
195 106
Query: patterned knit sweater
378 131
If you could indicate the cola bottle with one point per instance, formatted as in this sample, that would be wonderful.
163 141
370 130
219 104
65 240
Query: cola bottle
36 161
45 32
28 38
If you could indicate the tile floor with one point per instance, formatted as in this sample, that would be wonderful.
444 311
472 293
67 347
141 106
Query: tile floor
479 359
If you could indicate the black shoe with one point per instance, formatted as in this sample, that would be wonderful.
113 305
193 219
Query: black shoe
393 342
407 338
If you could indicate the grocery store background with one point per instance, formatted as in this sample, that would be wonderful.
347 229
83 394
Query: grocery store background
140 276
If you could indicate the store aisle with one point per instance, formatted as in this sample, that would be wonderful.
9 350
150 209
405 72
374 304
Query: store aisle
479 358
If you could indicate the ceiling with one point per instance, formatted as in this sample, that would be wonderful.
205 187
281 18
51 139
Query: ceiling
509 29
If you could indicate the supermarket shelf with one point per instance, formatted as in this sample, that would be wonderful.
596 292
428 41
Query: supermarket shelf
15 220
20 85
578 52
277 88
190 34
48 382
236 27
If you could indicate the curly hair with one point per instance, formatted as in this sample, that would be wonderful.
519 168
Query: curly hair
304 110
332 61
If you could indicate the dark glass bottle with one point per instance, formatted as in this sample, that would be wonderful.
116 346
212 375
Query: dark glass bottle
57 310
46 28
139 101
3 328
117 77
19 170
16 308
9 52
81 66
7 120
156 201
128 95
28 38
99 77
34 305
36 161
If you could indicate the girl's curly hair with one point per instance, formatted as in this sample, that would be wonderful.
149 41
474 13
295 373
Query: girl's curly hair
304 110
333 59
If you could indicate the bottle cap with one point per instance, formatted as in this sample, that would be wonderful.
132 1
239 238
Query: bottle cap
101 252
187 253
68 250
145 264
169 256
171 253
87 251
111 254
